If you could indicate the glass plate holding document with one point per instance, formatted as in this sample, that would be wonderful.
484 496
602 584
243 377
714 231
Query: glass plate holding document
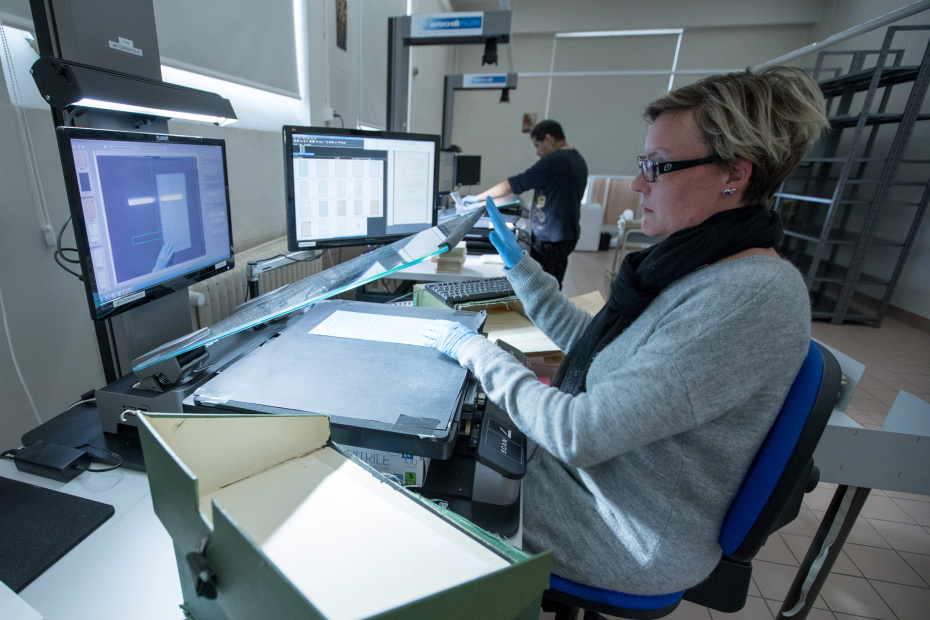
343 277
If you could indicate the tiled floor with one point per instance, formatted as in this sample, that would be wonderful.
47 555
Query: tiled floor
883 571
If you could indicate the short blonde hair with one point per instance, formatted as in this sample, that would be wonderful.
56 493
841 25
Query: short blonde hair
769 118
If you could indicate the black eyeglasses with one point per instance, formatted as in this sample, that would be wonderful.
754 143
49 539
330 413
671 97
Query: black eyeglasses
652 169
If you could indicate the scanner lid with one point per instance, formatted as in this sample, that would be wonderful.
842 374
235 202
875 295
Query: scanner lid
366 268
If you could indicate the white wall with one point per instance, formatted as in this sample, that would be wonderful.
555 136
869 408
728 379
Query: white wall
47 338
601 115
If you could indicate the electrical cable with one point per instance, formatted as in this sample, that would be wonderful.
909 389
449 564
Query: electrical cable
73 261
58 259
61 249
113 454
81 402
59 254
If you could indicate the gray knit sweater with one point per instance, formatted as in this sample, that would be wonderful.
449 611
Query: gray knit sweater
631 480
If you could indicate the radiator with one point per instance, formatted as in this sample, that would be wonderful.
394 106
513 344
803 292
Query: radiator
216 298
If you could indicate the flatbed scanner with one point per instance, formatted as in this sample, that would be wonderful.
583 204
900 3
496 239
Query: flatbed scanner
266 358
386 396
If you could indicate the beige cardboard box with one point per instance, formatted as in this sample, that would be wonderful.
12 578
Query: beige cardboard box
276 521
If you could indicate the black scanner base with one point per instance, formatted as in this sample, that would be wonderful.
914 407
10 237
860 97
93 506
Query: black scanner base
451 484
503 520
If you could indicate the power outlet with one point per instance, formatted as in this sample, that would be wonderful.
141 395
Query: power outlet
329 114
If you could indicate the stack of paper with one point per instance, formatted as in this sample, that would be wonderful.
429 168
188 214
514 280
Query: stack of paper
452 261
515 329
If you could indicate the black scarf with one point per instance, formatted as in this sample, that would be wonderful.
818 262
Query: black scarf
643 275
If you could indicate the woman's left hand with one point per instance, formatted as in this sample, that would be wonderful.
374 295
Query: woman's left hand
446 336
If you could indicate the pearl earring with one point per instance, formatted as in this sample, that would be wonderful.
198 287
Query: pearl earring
729 192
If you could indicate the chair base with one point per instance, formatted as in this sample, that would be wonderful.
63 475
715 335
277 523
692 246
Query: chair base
566 607
725 589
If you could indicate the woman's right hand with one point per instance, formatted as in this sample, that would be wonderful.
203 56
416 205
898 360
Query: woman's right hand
503 239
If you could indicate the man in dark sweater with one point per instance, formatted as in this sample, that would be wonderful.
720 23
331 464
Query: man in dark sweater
559 180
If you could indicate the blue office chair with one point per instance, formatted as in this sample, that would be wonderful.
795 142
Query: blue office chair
769 499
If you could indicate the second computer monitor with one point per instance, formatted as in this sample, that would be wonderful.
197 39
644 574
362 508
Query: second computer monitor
357 187
467 170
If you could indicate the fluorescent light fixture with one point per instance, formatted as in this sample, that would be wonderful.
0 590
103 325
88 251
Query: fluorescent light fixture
65 84
618 33
146 111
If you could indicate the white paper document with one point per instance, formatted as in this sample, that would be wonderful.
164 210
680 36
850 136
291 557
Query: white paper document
376 327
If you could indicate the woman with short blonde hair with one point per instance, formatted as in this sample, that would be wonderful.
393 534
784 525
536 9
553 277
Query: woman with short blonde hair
665 396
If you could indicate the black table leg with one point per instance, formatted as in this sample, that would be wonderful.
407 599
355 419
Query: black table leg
844 509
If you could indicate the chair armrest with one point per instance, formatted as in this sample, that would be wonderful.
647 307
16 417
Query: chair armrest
813 480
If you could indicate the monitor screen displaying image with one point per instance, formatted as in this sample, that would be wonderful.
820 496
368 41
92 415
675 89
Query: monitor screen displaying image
357 187
150 211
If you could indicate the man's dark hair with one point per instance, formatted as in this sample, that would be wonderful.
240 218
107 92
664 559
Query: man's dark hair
547 127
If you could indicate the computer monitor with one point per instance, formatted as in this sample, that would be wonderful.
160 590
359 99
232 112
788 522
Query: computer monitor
467 170
357 187
446 172
150 213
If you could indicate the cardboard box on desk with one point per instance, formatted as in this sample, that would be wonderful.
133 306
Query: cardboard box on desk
408 470
295 528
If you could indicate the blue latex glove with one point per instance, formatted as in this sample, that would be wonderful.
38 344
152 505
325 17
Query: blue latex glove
470 200
164 257
446 336
503 239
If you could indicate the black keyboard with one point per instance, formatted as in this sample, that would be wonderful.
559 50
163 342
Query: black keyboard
463 291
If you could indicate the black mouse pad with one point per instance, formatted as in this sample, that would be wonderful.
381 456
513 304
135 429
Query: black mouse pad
39 526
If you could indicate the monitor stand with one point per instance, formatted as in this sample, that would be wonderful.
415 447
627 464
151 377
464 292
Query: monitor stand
129 335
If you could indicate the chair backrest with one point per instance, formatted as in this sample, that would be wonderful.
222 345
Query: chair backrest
780 471
614 193
596 189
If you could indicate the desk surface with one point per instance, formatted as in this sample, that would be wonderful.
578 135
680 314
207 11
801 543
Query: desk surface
473 268
125 568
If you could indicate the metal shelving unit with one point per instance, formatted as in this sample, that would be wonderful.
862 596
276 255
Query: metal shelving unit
843 207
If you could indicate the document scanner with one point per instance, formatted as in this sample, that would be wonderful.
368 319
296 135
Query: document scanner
265 359
379 395
162 378
386 396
